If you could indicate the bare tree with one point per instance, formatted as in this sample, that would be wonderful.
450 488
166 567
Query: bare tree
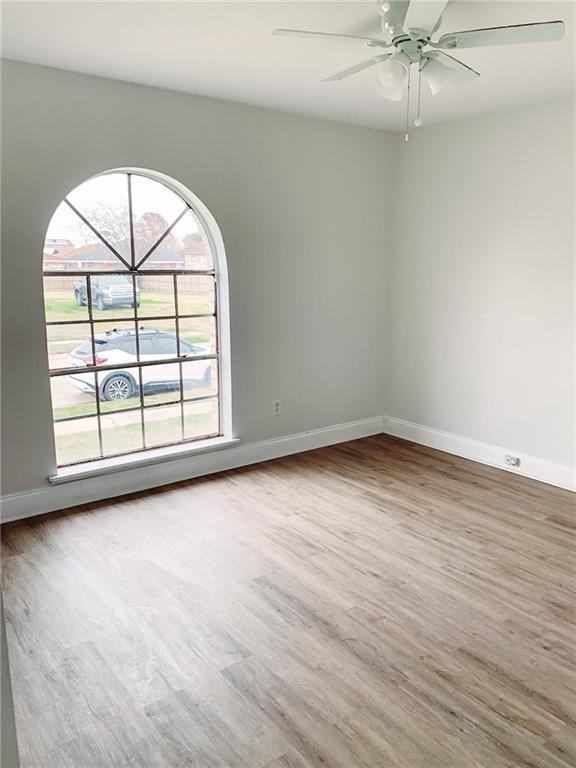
111 221
113 224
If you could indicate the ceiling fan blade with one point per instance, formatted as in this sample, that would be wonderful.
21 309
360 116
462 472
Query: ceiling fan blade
540 32
331 35
357 68
441 70
424 16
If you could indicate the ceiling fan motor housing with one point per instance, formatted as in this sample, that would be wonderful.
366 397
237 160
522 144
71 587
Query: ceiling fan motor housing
410 47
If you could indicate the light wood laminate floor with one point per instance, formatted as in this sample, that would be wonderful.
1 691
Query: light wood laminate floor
371 605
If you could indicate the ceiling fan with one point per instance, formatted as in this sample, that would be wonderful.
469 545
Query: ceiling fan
408 27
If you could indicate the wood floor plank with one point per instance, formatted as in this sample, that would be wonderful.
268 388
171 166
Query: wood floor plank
375 604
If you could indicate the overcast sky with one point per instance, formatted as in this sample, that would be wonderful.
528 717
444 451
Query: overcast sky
147 196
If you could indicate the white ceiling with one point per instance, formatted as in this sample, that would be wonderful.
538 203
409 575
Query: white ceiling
225 50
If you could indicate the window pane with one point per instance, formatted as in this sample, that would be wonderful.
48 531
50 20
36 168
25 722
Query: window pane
192 243
113 296
167 255
200 378
199 333
69 345
108 332
158 397
76 440
147 347
155 207
70 244
157 339
200 419
121 432
167 344
150 333
65 298
115 344
73 396
128 346
195 294
103 201
156 296
161 383
163 425
185 247
119 389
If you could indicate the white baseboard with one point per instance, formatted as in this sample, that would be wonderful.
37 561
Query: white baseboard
485 453
53 497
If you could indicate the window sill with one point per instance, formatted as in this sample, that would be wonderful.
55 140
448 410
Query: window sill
141 459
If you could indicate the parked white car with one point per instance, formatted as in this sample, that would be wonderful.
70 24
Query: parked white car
119 348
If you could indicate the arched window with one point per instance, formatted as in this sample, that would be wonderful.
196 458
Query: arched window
136 314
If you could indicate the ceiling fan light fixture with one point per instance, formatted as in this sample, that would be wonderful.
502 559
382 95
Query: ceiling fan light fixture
393 76
442 71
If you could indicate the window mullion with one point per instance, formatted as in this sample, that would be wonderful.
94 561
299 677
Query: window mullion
139 359
131 222
94 372
145 319
143 364
217 350
178 353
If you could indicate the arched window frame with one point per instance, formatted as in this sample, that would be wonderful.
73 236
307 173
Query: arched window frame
222 316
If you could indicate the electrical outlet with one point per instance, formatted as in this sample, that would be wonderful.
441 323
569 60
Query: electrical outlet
512 461
276 407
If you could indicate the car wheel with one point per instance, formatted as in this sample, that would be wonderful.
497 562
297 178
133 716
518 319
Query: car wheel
100 303
137 305
78 298
118 387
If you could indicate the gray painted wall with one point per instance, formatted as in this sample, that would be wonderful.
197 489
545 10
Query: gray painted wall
301 204
480 295
431 281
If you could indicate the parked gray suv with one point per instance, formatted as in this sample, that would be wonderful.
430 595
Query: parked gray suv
107 291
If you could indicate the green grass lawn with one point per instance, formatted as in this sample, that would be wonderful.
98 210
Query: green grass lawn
60 305
68 338
88 408
79 446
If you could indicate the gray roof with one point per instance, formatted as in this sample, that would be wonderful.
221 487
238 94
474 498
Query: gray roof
102 253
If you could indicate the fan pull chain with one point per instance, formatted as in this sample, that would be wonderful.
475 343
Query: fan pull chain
408 105
418 121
